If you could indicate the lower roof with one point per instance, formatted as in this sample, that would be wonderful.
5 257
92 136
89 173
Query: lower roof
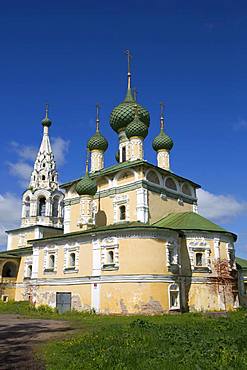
180 222
190 221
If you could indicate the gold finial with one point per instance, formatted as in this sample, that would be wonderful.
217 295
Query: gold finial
46 110
135 93
97 117
162 115
87 156
129 56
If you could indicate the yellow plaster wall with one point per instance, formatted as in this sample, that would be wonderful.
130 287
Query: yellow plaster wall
74 216
128 298
125 178
80 294
16 237
159 208
141 256
85 263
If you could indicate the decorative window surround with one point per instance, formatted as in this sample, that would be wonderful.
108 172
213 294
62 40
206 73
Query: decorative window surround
48 251
28 262
120 200
68 249
199 245
109 245
172 256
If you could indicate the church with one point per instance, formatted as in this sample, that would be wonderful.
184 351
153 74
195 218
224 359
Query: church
123 239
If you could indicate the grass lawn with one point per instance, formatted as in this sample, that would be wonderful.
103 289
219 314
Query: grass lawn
188 341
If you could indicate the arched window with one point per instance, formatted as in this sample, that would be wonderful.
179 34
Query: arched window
27 207
170 183
72 260
152 177
124 154
122 212
174 297
186 189
41 206
51 261
55 206
43 177
198 259
9 270
29 271
110 257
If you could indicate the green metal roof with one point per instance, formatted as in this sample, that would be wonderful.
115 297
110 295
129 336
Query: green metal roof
242 263
190 221
130 164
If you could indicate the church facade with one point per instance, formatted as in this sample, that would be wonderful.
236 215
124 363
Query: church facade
123 239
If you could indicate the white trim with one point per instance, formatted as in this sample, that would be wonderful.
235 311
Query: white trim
35 269
118 279
95 296
96 250
142 205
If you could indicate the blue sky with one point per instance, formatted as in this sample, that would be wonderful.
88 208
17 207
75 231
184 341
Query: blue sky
192 55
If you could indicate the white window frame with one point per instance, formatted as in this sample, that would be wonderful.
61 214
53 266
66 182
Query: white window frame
48 251
109 244
178 296
68 249
171 247
121 200
199 245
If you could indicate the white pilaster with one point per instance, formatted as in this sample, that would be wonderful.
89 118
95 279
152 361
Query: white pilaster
66 218
142 205
35 268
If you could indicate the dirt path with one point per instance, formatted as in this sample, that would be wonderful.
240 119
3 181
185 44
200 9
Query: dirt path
19 335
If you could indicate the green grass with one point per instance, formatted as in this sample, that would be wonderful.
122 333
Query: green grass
188 341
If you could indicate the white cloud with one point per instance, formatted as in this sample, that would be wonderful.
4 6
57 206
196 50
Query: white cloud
60 148
24 152
26 155
10 214
21 170
220 208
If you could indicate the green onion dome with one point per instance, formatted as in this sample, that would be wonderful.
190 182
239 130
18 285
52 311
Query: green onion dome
124 113
97 141
86 186
136 128
46 122
162 141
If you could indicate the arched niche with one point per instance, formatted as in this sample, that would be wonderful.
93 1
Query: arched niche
171 184
9 270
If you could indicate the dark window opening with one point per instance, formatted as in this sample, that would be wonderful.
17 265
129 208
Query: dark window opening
124 154
198 259
122 210
42 207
